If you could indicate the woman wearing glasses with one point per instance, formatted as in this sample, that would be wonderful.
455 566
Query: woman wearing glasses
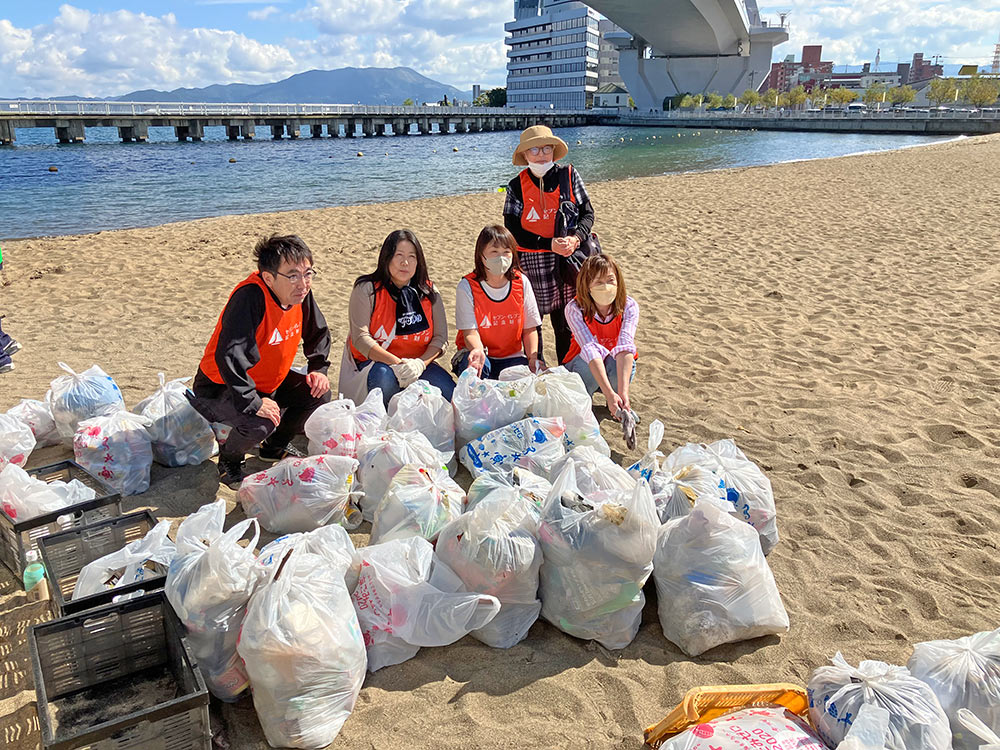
398 325
533 200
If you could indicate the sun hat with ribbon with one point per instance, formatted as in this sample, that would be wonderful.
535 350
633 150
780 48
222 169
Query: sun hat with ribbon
539 135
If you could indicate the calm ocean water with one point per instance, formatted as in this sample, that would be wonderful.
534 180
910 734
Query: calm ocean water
105 184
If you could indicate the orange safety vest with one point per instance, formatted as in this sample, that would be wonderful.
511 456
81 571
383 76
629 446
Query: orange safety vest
605 333
278 337
539 213
499 323
383 329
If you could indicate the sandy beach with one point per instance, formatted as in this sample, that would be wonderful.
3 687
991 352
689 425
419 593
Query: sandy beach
837 318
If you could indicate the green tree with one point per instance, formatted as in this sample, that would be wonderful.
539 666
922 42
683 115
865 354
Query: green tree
979 92
749 99
688 102
714 100
902 95
770 98
729 102
843 96
407 102
818 96
942 90
875 95
493 98
797 97
631 103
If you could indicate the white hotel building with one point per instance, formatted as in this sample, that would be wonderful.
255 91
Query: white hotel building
552 54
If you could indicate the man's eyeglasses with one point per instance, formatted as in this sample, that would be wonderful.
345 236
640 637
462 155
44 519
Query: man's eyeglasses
536 150
297 278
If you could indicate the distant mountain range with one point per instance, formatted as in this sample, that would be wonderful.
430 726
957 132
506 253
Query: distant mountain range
340 86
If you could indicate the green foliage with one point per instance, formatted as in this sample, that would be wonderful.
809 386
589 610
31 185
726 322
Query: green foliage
843 96
407 102
631 103
819 96
493 98
797 97
749 98
902 95
875 94
979 92
713 101
729 102
688 102
942 91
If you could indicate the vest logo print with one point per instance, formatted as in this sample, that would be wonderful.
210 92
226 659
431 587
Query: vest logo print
485 322
381 335
276 338
533 215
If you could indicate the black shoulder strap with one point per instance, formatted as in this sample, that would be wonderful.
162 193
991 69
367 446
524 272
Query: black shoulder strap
566 184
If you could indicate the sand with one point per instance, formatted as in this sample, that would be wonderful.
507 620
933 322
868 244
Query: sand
837 318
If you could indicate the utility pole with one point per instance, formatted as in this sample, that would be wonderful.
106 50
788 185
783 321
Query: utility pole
996 58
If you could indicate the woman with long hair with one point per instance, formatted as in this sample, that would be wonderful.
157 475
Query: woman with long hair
397 325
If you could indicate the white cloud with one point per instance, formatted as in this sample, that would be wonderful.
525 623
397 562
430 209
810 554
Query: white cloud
263 14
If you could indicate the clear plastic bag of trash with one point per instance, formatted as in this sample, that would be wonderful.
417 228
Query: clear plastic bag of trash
23 497
209 584
302 494
403 604
533 444
117 449
383 454
420 501
868 731
303 651
337 427
494 549
420 407
128 565
597 554
595 472
713 585
331 542
837 692
963 673
974 726
16 441
510 485
75 397
485 405
758 726
745 486
181 436
38 416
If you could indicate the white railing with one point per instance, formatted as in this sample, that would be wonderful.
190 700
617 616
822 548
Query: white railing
872 114
206 109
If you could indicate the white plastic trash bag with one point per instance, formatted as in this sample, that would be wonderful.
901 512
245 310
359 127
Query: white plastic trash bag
837 693
23 497
400 608
78 396
868 731
533 444
117 449
420 407
209 584
302 494
485 405
745 486
597 553
963 673
383 454
749 729
494 550
128 565
16 441
303 652
560 393
511 485
420 501
181 436
337 427
989 739
594 471
331 542
713 585
38 416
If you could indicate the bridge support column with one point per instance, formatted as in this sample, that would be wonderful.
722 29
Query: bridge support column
367 127
352 129
7 134
277 130
294 128
70 132
138 132
424 126
195 130
316 129
444 127
232 132
384 128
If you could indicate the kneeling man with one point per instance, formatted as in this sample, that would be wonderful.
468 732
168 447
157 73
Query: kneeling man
245 379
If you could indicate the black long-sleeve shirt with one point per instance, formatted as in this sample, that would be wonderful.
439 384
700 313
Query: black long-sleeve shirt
514 207
236 351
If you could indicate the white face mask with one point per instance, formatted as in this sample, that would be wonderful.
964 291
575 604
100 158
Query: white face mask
539 170
498 265
604 294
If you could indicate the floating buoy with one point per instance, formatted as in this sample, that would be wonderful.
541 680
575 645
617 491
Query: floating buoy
623 140
53 169
434 151
579 143
386 153
231 161
361 153
192 162
454 148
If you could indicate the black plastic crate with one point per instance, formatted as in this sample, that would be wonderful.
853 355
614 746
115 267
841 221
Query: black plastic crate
17 537
119 677
65 555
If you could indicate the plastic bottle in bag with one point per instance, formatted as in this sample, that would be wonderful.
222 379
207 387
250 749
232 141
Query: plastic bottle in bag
75 397
117 449
420 407
181 436
513 484
869 730
533 444
963 673
383 454
16 441
38 416
128 564
557 392
420 501
338 426
597 554
485 405
595 472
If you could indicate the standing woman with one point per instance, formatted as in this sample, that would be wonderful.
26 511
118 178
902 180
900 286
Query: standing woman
533 199
397 325
495 310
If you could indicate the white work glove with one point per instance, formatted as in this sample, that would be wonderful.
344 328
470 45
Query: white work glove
408 371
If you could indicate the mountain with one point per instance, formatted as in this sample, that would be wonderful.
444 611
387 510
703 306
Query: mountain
341 86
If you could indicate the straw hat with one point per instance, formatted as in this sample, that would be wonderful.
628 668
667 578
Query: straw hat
539 135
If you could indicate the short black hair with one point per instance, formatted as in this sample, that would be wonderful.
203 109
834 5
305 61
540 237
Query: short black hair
270 251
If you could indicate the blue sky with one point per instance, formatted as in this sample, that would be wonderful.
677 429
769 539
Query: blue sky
108 47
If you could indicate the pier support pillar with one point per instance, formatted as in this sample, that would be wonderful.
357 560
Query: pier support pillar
294 128
70 132
138 132
277 130
232 132
444 126
316 129
367 127
424 126
195 130
7 135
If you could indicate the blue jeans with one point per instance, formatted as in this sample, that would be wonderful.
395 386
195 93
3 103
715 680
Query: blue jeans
582 368
382 376
492 367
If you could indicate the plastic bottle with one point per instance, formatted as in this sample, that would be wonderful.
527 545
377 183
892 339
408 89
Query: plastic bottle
35 584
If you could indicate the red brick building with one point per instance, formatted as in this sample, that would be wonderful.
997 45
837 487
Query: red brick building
789 73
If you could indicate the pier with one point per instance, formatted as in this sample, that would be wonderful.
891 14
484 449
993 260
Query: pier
69 120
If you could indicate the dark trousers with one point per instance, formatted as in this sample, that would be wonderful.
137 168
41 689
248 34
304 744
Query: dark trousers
214 403
564 337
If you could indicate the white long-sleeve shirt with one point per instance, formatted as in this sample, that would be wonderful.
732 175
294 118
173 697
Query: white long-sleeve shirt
590 348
